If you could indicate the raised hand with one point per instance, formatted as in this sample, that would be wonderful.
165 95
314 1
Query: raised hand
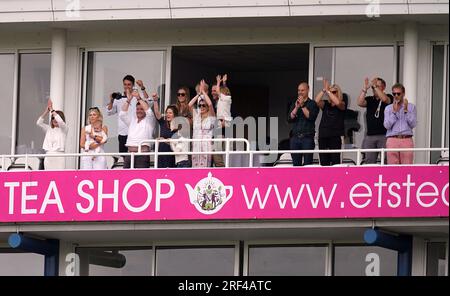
140 83
155 97
396 105
326 84
218 79
225 78
366 83
49 105
298 103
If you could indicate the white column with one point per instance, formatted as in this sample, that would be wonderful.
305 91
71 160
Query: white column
58 68
410 60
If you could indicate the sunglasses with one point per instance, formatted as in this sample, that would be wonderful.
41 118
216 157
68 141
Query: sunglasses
181 94
334 92
53 118
396 94
202 105
93 108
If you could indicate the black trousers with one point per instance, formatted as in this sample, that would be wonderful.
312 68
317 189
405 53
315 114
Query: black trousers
330 143
140 162
122 142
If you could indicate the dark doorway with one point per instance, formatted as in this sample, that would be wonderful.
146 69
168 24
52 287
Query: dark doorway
263 79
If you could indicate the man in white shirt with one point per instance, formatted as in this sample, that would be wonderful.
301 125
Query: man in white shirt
117 100
140 127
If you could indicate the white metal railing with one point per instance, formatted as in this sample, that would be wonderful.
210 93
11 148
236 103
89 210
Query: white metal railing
226 152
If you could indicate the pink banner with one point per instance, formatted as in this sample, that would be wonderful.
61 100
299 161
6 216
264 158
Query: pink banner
199 194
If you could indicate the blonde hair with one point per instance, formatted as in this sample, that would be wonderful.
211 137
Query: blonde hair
225 90
96 110
339 91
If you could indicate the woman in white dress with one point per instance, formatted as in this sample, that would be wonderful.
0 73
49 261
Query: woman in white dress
55 137
204 121
92 141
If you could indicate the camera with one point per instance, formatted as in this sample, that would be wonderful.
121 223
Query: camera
116 95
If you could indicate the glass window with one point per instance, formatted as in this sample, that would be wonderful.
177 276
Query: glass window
6 100
195 261
34 89
364 260
105 73
13 263
436 259
286 260
115 261
437 100
347 67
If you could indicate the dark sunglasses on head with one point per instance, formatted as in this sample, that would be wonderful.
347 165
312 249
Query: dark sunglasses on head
93 108
181 94
396 94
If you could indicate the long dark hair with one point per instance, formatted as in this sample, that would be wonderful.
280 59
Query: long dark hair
61 114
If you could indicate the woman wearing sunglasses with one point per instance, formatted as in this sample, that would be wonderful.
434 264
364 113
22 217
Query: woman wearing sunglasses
331 127
204 118
92 141
183 98
55 137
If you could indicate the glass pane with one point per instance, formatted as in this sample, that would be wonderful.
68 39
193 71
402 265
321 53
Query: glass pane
34 88
289 260
21 264
400 63
115 262
211 261
364 260
105 73
436 259
437 100
352 65
6 100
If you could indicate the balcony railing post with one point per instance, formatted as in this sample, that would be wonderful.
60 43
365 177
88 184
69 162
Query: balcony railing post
155 165
382 156
358 157
227 152
132 160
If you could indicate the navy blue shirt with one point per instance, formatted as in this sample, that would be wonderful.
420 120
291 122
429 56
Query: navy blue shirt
303 125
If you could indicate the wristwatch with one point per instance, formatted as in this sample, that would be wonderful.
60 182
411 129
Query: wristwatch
142 88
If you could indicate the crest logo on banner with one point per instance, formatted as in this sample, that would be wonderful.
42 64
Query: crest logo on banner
209 195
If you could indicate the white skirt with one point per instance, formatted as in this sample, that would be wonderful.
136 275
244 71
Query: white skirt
54 163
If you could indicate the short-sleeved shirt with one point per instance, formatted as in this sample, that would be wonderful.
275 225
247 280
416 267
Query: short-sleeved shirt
375 107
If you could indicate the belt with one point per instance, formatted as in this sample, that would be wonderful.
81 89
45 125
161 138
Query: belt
401 136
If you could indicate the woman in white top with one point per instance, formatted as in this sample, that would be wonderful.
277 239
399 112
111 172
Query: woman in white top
93 142
55 137
204 120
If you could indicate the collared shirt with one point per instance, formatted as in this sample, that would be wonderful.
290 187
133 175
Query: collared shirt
55 138
139 131
400 123
302 124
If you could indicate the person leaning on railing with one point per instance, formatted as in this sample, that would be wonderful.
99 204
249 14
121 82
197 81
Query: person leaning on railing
331 127
140 128
55 137
399 119
303 113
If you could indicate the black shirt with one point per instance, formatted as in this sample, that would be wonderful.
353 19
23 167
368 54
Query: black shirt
375 125
332 122
303 125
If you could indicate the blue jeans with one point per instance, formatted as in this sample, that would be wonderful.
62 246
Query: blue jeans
302 142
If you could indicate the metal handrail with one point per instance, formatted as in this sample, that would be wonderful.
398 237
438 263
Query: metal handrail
227 152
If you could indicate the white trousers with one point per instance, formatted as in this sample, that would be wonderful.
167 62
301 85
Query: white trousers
54 163
93 163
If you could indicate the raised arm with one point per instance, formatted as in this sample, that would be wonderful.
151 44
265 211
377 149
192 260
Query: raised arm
362 96
319 96
208 101
156 106
143 89
339 103
40 121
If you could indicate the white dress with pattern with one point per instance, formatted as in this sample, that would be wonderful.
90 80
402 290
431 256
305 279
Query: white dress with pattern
203 129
